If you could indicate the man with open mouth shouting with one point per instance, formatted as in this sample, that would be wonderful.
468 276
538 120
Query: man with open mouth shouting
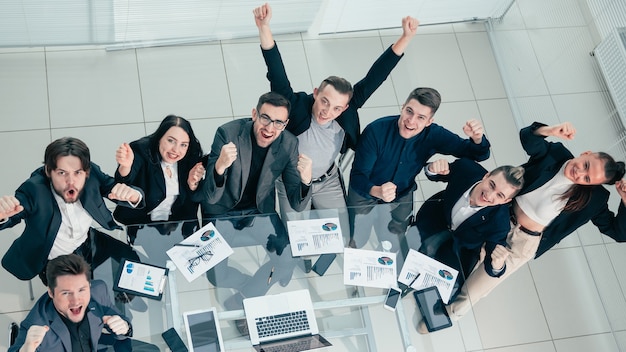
59 202
71 316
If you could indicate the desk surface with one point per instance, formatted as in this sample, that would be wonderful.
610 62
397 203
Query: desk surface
351 317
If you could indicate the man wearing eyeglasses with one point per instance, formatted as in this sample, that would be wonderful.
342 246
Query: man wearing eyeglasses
247 156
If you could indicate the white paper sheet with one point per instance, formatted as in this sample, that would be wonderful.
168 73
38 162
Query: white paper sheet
432 273
369 268
199 252
315 236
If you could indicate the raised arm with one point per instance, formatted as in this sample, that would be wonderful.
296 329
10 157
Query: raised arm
386 62
409 28
262 17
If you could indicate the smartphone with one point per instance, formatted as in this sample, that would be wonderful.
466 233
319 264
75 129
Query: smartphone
323 262
393 296
173 340
432 308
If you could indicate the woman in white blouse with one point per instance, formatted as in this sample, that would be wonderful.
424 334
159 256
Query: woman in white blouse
160 164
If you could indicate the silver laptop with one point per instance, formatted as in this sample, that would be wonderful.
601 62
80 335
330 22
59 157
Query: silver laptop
283 322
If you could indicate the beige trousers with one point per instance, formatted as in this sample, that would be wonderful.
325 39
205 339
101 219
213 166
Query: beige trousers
522 248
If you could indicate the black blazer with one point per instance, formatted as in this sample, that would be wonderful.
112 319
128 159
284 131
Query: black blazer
490 225
28 254
546 159
147 174
302 103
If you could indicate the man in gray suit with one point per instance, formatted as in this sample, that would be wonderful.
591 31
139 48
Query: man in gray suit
73 313
247 156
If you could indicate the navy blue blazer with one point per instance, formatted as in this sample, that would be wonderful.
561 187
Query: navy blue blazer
546 159
28 254
490 225
302 103
147 174
58 337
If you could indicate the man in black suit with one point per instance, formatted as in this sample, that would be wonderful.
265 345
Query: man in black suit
59 202
471 212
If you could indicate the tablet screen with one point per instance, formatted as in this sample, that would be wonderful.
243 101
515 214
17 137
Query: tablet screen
432 308
203 331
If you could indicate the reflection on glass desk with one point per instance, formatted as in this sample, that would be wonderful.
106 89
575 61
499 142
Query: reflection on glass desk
351 317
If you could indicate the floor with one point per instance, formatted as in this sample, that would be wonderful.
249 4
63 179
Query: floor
539 69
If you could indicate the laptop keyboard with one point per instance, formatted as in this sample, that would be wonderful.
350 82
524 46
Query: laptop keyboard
282 324
288 347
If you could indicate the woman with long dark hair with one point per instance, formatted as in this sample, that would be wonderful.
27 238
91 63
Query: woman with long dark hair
160 164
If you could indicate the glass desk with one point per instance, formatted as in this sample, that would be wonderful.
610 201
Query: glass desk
351 318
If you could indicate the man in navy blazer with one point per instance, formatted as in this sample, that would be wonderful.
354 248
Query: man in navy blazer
473 211
59 202
73 312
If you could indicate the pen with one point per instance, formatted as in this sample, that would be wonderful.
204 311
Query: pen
415 278
187 245
269 279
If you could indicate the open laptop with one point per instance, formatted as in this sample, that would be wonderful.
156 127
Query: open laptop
283 322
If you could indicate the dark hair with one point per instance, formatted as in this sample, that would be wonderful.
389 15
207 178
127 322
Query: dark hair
579 195
341 85
513 175
273 99
69 264
613 170
194 150
426 96
66 146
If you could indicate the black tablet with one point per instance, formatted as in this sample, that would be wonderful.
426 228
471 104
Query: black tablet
141 279
432 308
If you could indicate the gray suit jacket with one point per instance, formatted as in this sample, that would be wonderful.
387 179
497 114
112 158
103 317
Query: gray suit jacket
57 339
281 160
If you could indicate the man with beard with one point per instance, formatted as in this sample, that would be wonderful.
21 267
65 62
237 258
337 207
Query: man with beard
72 315
59 202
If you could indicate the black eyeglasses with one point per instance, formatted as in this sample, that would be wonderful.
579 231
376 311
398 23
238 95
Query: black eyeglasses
278 124
193 262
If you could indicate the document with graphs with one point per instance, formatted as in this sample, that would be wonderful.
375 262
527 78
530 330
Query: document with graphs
369 268
315 236
199 252
421 271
